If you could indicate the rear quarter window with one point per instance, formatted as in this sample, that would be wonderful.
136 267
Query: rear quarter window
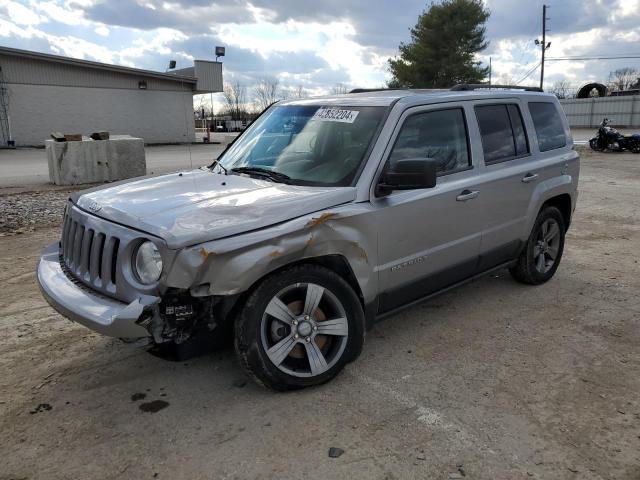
502 131
548 125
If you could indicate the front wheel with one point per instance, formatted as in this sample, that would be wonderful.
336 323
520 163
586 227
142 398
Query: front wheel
594 143
299 328
635 147
541 256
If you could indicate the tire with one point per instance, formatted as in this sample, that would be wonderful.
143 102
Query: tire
299 328
635 147
538 261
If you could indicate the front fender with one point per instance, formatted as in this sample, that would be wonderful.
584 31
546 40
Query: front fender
232 265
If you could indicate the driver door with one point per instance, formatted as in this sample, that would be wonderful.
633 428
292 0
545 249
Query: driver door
430 238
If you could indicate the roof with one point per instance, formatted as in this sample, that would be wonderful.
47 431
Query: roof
384 98
47 57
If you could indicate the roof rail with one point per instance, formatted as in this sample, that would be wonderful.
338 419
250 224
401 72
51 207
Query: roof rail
366 90
479 86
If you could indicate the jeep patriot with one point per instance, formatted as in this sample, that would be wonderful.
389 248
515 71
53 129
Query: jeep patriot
323 216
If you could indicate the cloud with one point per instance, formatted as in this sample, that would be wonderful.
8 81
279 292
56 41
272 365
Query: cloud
102 30
151 14
21 15
600 29
313 44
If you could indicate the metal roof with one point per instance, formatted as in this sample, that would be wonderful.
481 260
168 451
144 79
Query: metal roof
95 65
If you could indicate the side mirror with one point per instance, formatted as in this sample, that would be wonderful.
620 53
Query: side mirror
409 174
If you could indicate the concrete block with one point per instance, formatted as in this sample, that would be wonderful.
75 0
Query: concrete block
90 161
223 137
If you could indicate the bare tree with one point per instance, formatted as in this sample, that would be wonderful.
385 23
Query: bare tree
300 92
266 92
561 89
623 79
291 92
202 106
202 111
339 89
235 97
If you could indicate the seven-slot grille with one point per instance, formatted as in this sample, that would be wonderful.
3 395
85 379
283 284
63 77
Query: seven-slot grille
89 255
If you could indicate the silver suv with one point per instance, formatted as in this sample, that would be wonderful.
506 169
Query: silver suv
324 215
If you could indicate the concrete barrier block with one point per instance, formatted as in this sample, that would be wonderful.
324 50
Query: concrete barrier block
89 161
223 138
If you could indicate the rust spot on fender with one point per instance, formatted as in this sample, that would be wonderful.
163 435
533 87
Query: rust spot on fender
325 217
363 253
275 254
310 241
204 253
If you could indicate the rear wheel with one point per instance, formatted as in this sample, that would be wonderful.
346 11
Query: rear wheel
299 328
541 256
635 147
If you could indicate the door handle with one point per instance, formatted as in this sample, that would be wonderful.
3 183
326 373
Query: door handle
467 195
529 177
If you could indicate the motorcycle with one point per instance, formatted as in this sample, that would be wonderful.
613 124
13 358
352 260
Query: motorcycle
608 138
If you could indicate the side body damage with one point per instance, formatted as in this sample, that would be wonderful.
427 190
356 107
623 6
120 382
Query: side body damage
209 278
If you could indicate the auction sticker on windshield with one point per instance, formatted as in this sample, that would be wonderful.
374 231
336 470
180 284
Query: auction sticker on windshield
335 115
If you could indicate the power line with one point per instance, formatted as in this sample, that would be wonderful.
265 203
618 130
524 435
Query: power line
528 74
525 42
620 57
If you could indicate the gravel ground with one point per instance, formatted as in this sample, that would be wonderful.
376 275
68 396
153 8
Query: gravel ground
494 380
25 211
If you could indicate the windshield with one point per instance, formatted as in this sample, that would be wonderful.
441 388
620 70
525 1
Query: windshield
306 145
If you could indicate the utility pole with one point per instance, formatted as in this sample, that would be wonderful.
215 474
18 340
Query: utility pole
544 43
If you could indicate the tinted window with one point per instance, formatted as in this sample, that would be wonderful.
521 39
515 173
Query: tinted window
522 147
548 124
502 131
440 135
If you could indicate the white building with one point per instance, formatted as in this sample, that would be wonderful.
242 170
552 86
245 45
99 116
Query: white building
49 93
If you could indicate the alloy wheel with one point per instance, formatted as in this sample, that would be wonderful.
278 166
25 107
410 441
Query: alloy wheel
547 246
304 330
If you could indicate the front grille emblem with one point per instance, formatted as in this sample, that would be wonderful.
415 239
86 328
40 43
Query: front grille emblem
93 206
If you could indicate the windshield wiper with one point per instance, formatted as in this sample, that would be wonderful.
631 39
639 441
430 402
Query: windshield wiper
218 164
264 172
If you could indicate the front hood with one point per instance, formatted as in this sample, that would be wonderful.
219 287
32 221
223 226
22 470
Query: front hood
197 206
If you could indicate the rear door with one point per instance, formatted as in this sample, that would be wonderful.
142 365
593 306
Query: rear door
429 238
509 177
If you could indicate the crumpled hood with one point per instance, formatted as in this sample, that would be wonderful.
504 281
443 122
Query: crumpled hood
197 206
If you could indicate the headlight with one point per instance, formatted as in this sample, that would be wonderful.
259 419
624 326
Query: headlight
148 263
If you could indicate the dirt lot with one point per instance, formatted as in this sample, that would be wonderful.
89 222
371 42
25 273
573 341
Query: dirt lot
494 380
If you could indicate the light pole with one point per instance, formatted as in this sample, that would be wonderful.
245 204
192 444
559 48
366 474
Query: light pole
220 52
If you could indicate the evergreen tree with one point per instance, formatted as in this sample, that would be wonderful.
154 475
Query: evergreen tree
442 48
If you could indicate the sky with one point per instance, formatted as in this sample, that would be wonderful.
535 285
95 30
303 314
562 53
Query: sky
316 44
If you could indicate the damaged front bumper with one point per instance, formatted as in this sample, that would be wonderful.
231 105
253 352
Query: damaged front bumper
78 303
